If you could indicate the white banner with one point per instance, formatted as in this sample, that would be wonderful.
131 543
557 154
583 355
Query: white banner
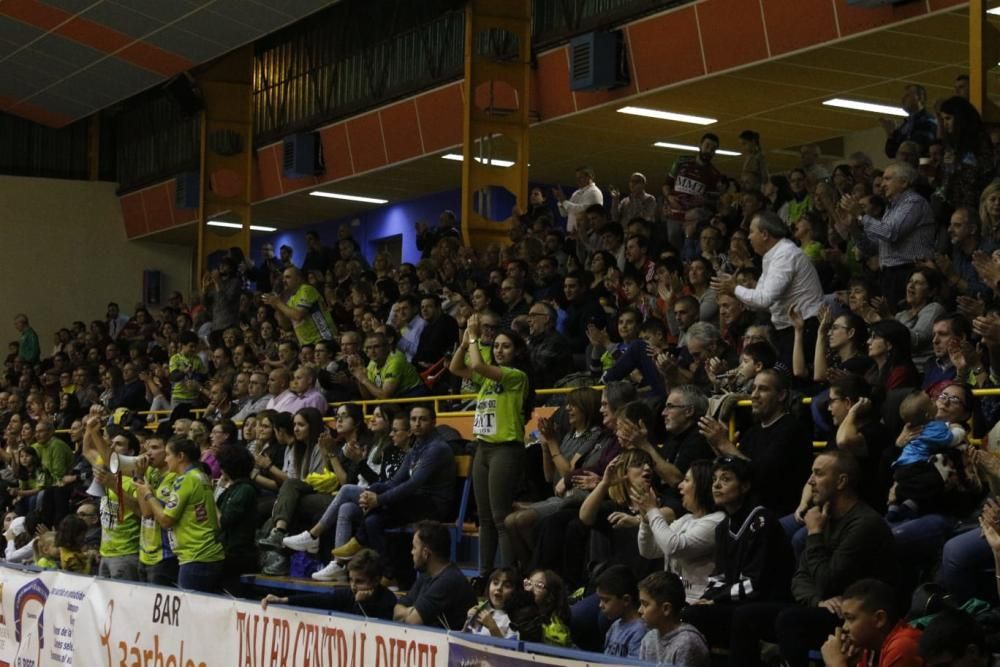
50 619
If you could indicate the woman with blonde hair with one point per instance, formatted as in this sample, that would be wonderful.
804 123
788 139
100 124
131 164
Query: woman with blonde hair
989 215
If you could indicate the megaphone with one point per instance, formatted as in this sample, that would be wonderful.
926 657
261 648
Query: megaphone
120 463
96 489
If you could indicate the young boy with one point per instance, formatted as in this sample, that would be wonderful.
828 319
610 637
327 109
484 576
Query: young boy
917 474
872 627
669 641
187 370
366 597
618 593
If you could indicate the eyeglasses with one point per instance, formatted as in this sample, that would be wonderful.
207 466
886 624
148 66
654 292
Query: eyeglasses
86 515
675 406
948 399
537 585
834 399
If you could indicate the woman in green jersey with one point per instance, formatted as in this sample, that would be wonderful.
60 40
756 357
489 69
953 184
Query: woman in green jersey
504 403
190 517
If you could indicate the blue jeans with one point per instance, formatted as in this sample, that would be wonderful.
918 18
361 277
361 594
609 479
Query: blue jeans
967 567
344 514
204 577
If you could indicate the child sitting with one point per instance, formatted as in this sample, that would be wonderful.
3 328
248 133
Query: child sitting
46 552
669 641
366 596
70 538
553 606
508 611
618 592
874 632
917 479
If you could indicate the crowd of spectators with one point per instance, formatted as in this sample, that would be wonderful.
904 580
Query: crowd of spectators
873 292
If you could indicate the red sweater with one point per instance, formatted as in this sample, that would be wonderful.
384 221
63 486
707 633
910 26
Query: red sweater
900 649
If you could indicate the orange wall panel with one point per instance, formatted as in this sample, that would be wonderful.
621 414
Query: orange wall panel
269 171
440 112
367 146
665 49
789 27
553 97
858 19
732 33
133 215
158 206
401 131
336 152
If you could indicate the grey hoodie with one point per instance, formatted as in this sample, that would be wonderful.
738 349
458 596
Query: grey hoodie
684 646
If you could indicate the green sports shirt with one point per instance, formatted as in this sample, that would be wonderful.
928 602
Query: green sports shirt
118 538
499 408
191 504
153 548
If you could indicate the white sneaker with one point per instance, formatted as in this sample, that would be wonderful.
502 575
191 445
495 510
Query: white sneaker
332 570
304 541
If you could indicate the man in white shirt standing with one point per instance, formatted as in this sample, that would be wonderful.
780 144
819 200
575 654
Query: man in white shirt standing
788 279
586 194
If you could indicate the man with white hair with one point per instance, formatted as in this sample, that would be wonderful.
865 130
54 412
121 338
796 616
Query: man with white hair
905 234
788 280
638 203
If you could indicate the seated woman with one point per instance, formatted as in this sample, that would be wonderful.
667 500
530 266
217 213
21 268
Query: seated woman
889 346
581 446
561 536
840 347
753 561
686 543
315 451
607 510
921 310
919 540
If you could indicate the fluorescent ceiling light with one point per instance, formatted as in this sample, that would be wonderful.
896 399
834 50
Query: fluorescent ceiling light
495 162
686 147
236 225
668 115
866 106
995 11
337 195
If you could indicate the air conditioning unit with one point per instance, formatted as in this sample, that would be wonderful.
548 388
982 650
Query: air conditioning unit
302 155
597 61
188 189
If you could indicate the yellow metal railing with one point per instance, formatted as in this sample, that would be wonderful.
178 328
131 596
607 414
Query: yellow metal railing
371 404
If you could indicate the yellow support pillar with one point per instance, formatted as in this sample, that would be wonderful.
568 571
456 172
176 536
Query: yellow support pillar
494 130
226 153
984 49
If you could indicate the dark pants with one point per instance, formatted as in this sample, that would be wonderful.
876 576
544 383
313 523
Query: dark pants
784 340
742 627
414 509
892 280
204 577
496 478
563 545
163 573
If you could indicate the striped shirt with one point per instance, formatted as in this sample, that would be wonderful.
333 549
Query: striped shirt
905 234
